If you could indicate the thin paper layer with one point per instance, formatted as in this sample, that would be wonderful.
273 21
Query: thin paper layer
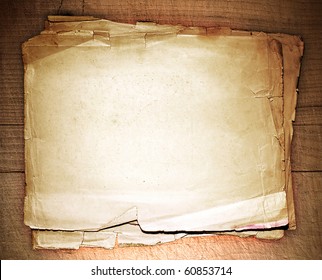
181 129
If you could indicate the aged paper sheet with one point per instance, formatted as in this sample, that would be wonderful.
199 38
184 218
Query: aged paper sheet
133 130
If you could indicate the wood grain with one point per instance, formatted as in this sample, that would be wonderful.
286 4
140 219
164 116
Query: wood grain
308 116
11 149
21 20
306 148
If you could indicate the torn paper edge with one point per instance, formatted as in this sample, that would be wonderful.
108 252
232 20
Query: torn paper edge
147 27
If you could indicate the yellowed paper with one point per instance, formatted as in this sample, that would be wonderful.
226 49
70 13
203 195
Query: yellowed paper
180 129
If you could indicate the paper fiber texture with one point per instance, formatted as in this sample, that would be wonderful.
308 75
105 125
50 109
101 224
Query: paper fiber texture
133 130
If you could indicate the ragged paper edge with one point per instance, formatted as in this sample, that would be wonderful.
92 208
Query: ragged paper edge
56 23
127 235
124 235
293 48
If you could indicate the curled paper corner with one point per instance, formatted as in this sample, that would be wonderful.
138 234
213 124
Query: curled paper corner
267 210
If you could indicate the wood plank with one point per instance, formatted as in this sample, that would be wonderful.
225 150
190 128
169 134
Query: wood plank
306 151
11 149
303 243
272 15
13 231
308 116
11 108
310 85
11 89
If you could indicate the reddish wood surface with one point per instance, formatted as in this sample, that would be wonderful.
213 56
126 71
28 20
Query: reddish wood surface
21 20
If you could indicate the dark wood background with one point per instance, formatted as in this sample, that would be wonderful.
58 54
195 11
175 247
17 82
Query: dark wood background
20 20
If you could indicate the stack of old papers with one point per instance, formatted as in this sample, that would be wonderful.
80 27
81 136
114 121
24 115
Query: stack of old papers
147 133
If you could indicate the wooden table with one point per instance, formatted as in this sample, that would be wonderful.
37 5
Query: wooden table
20 20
